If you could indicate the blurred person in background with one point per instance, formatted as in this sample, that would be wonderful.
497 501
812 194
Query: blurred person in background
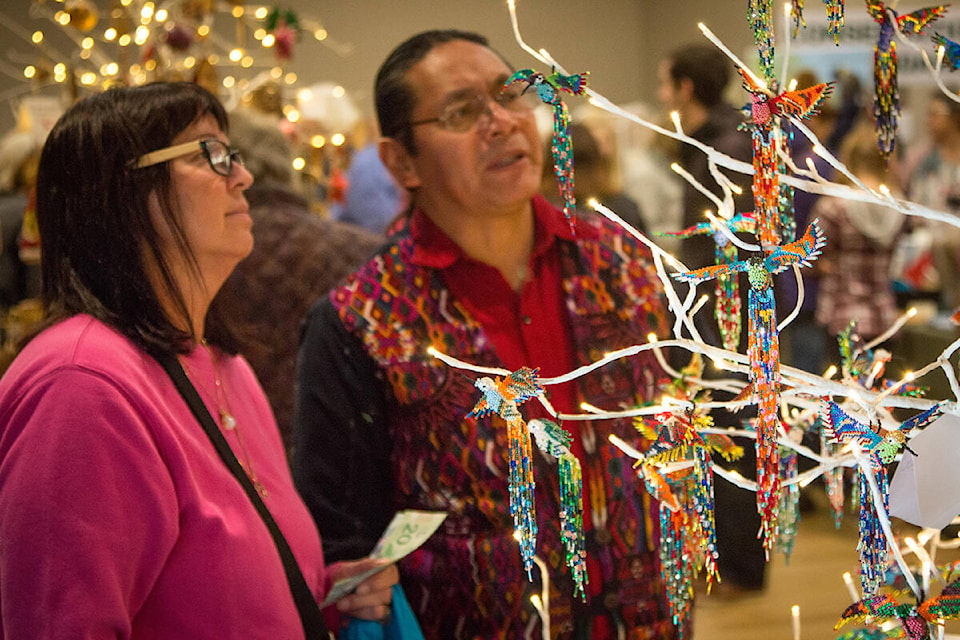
297 257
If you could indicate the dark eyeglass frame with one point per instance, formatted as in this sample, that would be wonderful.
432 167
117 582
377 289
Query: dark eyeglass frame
511 99
230 155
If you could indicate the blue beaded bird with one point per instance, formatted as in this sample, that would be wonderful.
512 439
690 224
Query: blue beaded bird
881 450
951 50
549 89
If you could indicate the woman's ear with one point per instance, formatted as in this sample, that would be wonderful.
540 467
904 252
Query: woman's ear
399 163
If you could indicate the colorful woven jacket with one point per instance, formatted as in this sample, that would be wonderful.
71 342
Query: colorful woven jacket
381 425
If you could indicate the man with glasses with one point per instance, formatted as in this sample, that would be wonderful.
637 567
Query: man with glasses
485 270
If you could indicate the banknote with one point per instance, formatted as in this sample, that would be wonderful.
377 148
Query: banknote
407 530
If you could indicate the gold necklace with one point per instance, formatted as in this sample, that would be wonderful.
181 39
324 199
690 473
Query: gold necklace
228 422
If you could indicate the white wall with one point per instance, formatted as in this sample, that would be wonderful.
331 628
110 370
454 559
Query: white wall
618 41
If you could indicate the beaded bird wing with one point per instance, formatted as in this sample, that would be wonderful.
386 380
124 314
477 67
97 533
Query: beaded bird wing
880 606
740 223
702 274
801 251
800 103
843 428
575 84
913 23
945 606
499 394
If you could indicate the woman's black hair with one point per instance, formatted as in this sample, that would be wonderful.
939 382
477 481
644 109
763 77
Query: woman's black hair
100 249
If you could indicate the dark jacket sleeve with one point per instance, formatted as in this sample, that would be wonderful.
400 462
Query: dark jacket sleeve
341 449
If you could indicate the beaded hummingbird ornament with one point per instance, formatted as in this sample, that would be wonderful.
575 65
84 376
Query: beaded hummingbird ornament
763 349
677 471
552 440
881 450
502 396
727 288
834 17
914 618
886 99
766 107
951 50
549 89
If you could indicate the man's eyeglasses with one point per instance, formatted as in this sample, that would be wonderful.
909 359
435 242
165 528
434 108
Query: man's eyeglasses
219 155
463 114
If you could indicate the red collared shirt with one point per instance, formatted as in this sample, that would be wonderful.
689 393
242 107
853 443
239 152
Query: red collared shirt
527 327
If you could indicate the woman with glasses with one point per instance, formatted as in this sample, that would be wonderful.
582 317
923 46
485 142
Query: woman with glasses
144 490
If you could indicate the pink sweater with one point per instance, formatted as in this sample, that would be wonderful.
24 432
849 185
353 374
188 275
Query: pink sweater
117 517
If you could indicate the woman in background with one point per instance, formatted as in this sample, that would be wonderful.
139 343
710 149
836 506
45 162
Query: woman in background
854 269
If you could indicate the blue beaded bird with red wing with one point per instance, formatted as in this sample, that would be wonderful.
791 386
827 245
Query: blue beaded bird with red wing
886 99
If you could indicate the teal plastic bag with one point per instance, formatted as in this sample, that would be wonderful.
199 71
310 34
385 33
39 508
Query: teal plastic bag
403 624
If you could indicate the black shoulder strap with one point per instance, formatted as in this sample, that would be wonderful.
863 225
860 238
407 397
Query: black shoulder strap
314 626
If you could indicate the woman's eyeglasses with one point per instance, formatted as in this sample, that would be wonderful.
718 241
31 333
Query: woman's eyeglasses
462 115
219 155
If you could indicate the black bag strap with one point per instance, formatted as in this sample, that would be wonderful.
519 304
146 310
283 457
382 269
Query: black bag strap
314 626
